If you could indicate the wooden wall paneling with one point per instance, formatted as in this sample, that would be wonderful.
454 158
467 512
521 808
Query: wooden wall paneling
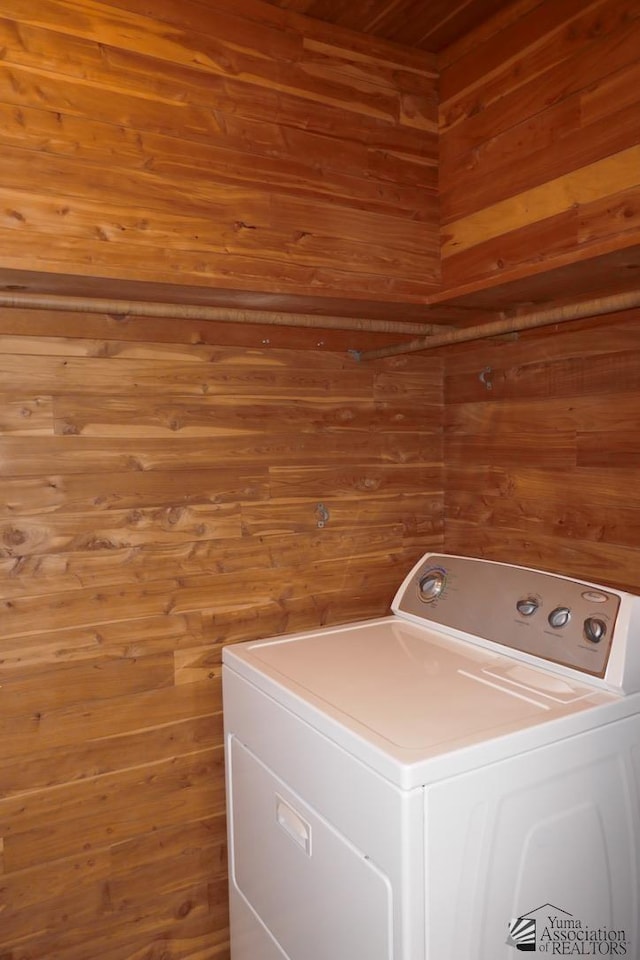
133 546
73 762
538 39
556 199
555 88
541 468
83 725
542 140
205 147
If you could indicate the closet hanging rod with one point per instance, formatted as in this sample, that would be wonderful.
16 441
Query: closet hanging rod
178 311
528 321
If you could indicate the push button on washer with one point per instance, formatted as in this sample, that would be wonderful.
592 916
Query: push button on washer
595 596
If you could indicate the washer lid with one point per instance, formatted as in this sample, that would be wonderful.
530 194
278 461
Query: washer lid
413 688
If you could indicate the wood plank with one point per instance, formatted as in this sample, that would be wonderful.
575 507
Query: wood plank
117 529
587 185
130 490
209 833
109 808
356 481
610 448
28 416
136 924
27 889
617 215
61 345
488 40
75 725
35 578
617 413
79 455
140 637
566 521
603 489
26 615
559 49
219 416
300 516
596 562
262 375
109 755
83 257
608 376
220 54
556 142
18 919
311 240
73 683
558 450
234 170
615 333
240 223
42 576
556 235
424 385
309 581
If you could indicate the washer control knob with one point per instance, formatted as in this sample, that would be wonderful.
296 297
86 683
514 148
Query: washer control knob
527 606
431 585
594 629
559 617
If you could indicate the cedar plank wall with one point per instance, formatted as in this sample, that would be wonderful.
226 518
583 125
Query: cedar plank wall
233 145
158 490
540 147
543 468
158 500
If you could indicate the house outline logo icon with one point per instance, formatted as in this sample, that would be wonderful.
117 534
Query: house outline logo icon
522 929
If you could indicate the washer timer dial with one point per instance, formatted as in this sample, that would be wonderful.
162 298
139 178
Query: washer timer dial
594 629
431 585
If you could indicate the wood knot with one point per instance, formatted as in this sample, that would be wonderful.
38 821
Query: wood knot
13 537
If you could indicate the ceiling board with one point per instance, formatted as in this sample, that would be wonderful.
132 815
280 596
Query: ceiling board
430 25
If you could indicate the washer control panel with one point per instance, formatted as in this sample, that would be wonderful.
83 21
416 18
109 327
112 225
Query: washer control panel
549 617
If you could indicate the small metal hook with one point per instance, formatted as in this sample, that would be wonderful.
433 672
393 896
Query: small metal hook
322 515
484 377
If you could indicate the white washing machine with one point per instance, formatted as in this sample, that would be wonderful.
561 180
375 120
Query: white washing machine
457 781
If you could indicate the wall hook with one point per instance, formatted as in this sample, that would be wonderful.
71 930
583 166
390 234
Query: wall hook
322 515
485 377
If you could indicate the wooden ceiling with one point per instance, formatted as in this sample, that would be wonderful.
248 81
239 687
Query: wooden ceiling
428 25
